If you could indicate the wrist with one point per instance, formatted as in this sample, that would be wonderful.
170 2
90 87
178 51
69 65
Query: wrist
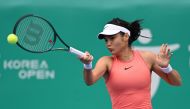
167 69
88 66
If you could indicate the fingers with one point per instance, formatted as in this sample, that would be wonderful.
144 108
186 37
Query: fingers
165 51
86 58
163 48
169 53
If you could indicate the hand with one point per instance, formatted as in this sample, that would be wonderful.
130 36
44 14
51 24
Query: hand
163 57
86 58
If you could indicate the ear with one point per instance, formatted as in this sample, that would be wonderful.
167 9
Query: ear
126 37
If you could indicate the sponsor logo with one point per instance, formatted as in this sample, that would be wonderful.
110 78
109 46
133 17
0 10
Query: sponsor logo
126 68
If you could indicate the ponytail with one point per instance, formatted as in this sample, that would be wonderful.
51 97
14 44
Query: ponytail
135 30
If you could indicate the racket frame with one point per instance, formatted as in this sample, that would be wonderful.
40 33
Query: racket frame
54 40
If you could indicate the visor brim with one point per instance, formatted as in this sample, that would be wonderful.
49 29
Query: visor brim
107 33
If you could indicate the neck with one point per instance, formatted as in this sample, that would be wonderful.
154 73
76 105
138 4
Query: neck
125 55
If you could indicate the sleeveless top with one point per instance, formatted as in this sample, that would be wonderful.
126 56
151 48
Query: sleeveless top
129 83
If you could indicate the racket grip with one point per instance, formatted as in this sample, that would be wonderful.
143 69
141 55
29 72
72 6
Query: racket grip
75 51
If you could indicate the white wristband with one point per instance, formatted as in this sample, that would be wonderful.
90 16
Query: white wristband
88 66
167 70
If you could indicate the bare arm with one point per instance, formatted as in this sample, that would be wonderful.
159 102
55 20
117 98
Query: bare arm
162 61
92 75
172 78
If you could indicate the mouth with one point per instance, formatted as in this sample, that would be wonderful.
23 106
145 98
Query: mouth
110 49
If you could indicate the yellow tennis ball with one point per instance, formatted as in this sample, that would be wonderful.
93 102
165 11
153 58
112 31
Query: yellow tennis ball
12 39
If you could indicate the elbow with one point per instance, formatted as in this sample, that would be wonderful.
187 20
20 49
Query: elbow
178 83
89 83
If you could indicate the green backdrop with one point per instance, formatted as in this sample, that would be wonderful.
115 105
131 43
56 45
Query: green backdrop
55 81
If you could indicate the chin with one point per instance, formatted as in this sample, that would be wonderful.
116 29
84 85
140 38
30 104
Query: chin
113 52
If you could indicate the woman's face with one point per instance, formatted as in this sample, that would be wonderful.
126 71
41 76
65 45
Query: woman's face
116 43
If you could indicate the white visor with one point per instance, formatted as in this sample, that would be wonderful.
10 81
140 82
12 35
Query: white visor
111 29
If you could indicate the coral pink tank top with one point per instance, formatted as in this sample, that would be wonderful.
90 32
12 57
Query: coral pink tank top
129 83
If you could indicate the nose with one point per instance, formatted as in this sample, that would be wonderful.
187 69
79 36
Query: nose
108 43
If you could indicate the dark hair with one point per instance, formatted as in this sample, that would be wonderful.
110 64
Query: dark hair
134 27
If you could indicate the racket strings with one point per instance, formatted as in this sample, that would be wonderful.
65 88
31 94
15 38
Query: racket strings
44 42
35 34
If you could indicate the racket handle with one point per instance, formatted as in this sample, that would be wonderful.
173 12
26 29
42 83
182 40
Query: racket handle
75 51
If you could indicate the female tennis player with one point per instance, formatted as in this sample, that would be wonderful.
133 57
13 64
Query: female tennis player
127 72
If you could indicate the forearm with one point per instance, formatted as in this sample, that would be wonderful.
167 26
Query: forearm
174 78
88 76
91 75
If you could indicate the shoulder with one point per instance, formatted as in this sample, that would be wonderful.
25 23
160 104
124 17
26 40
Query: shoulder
104 62
106 59
148 56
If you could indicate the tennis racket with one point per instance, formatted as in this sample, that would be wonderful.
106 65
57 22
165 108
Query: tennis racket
37 35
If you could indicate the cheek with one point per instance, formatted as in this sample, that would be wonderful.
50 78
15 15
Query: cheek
117 44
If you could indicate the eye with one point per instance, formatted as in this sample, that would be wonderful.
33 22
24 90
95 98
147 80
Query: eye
112 38
105 40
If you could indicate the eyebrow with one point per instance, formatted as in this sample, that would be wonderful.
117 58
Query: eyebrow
108 36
